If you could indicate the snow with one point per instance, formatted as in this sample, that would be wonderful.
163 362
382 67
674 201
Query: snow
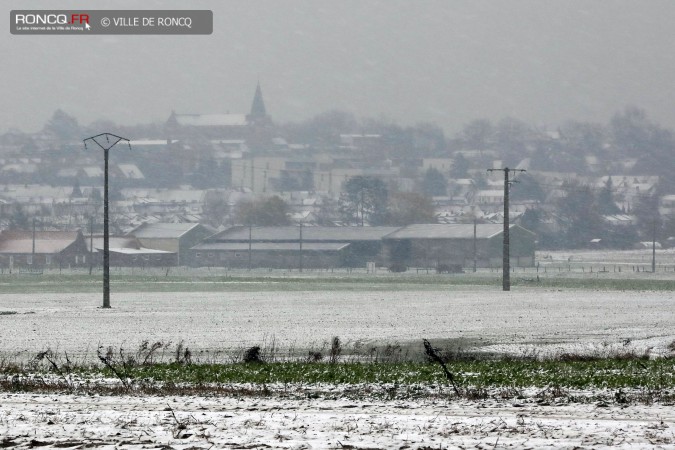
664 257
129 422
216 324
303 416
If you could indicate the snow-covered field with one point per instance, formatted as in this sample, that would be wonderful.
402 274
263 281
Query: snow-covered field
49 421
664 257
213 324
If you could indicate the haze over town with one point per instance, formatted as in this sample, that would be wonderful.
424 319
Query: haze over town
381 114
430 61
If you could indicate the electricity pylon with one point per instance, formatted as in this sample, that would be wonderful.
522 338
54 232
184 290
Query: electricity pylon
106 141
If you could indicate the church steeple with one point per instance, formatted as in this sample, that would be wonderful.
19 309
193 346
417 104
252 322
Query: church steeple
260 128
258 107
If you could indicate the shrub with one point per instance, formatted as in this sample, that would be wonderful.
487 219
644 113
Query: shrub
146 351
398 267
335 350
449 268
252 355
183 354
314 356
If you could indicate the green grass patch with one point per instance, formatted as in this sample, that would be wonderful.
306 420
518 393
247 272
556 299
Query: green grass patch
600 284
604 373
69 283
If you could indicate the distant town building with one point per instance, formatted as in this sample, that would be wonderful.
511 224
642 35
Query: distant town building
430 245
177 238
426 246
221 125
42 249
282 247
126 251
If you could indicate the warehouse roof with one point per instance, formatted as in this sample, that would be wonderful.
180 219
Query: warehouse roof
291 233
271 246
448 231
137 251
163 230
113 242
45 241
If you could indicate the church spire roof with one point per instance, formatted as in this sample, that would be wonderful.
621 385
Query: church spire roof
258 106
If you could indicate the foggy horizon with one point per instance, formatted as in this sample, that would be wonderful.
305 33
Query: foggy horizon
444 63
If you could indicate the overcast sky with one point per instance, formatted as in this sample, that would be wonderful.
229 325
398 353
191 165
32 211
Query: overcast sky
446 61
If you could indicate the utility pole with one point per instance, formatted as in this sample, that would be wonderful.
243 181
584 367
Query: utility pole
250 239
506 261
106 141
91 244
301 247
654 245
475 249
32 255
